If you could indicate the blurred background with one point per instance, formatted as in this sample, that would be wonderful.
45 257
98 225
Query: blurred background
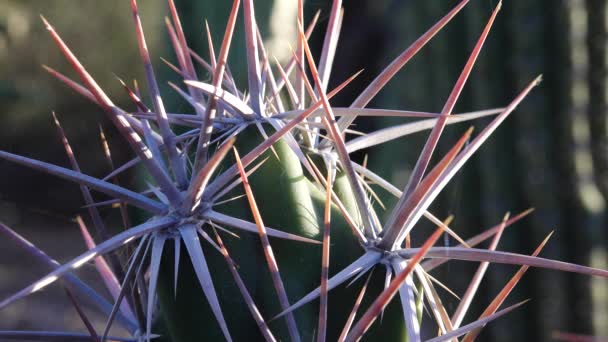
551 154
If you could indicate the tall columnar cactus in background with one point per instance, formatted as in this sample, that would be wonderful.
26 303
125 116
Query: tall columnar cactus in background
306 225
550 155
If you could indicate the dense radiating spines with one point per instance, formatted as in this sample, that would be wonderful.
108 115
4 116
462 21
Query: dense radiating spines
298 177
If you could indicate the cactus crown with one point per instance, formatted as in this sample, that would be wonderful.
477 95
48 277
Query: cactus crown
287 108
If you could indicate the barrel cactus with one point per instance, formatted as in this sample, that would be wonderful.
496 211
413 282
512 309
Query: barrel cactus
274 263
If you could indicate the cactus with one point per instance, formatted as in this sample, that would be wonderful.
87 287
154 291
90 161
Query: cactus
239 267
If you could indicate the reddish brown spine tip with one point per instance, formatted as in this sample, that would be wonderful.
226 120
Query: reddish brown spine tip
529 211
46 23
469 131
120 80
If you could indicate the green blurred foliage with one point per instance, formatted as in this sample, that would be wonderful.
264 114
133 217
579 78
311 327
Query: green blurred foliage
101 34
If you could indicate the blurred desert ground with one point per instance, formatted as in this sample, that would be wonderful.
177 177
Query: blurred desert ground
550 155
